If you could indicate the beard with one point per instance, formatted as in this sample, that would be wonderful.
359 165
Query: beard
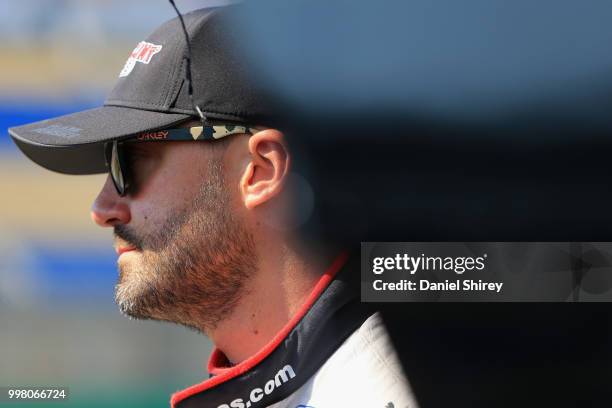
193 268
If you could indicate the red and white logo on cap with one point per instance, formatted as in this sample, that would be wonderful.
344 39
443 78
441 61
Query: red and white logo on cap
143 52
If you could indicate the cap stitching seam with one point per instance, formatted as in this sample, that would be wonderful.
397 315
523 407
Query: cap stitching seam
170 95
163 95
173 93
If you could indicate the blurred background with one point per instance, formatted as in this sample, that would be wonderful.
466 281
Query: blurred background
58 321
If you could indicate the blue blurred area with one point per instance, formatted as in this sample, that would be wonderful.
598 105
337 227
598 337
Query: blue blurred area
66 273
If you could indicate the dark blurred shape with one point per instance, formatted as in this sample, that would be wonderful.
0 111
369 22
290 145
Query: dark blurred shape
486 120
481 60
457 121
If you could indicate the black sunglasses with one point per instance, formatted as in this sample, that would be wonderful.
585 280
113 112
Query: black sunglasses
115 153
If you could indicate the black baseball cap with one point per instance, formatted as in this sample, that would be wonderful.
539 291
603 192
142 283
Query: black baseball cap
152 93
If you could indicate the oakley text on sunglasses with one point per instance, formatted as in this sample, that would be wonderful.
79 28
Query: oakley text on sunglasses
115 154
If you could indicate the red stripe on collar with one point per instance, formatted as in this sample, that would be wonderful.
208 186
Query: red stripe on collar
217 359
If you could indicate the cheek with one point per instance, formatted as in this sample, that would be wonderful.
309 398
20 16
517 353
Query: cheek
236 160
174 184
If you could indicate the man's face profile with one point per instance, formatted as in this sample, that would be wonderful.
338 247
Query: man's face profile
185 254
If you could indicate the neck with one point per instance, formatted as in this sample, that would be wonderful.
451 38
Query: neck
280 286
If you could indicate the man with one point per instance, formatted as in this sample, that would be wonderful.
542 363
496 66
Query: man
201 199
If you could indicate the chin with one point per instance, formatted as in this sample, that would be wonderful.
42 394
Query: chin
131 295
127 302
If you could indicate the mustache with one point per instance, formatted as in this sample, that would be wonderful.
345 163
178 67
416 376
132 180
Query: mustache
126 234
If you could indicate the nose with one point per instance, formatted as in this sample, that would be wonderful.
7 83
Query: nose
109 209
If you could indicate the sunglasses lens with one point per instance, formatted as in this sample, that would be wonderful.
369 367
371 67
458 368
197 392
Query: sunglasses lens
116 171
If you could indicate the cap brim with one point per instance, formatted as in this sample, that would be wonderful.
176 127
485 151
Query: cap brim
74 144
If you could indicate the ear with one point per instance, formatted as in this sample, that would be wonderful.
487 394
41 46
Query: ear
266 172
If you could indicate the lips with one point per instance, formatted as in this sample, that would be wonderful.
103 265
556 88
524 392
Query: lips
122 250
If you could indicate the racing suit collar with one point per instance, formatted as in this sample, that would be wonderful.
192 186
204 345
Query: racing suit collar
219 364
329 315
